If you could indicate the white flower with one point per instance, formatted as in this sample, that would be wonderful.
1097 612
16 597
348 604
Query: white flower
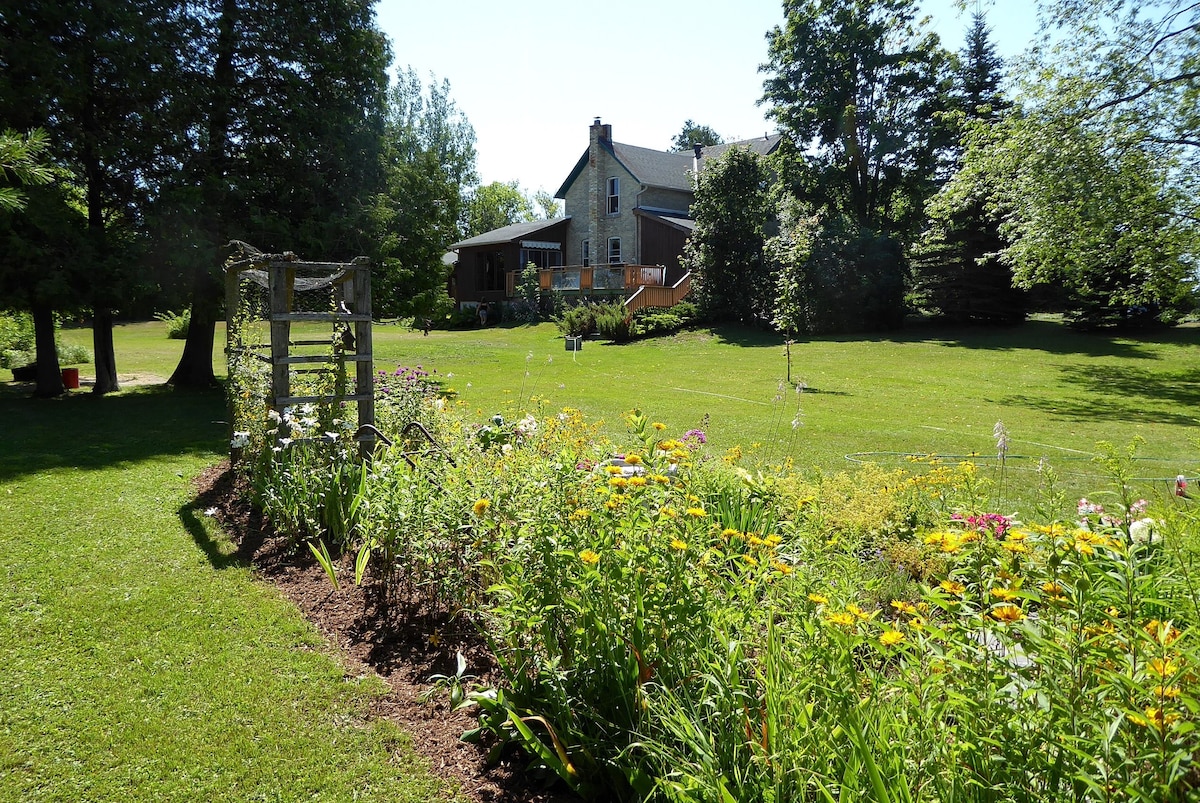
274 416
1144 531
240 440
212 511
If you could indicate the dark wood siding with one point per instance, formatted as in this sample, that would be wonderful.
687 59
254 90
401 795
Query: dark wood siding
479 274
662 244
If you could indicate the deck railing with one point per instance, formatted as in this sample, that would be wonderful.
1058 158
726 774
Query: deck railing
650 296
585 278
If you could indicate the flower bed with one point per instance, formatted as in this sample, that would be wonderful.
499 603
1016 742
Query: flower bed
675 626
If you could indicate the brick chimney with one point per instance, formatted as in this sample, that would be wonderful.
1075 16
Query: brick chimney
599 132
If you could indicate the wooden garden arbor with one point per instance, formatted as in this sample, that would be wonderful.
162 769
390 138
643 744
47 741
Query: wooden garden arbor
296 291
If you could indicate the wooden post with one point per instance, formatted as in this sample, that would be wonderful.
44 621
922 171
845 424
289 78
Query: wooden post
280 278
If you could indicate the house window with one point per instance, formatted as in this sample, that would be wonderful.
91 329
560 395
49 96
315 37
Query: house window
614 250
585 251
541 257
614 195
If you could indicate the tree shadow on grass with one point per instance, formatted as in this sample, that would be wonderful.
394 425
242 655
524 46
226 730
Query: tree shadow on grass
80 430
1124 393
1052 337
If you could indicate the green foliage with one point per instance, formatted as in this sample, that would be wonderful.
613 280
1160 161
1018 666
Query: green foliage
1094 174
652 321
732 281
862 80
20 160
496 205
527 307
694 133
613 322
428 162
177 323
577 320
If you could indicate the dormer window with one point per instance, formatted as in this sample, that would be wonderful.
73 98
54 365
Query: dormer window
614 195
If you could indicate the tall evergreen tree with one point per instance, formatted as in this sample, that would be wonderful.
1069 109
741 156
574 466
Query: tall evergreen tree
96 74
957 270
286 118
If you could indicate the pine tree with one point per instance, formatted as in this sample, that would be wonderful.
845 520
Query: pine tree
957 269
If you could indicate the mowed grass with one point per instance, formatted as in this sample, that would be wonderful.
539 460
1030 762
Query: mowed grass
140 660
920 391
924 390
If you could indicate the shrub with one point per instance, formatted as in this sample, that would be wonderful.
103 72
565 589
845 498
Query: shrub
16 339
650 321
613 322
177 323
578 320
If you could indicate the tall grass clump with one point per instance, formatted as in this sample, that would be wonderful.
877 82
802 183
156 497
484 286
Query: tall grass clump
670 624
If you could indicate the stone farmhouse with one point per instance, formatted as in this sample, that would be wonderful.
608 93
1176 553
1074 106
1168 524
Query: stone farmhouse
627 219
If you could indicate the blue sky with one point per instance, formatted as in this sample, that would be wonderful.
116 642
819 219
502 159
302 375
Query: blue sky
531 76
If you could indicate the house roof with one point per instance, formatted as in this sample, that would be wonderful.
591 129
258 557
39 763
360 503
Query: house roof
676 220
666 169
506 234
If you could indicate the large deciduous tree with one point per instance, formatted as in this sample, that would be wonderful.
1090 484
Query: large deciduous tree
429 161
857 86
694 133
732 280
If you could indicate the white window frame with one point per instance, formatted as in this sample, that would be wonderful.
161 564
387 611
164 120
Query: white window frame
585 251
614 251
614 195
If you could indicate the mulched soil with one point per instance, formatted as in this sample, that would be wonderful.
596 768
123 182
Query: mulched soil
403 646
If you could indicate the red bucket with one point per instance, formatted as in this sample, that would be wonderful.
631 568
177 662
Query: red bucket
70 378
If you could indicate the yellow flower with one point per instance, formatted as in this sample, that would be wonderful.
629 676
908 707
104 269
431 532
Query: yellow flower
729 532
755 540
661 479
1004 594
903 607
1008 613
781 567
774 540
1162 632
589 557
843 619
677 544
668 512
659 426
890 638
1166 692
637 482
1163 667
580 514
1053 589
481 506
1016 547
613 469
696 512
750 560
618 482
952 587
1154 718
633 459
820 599
857 611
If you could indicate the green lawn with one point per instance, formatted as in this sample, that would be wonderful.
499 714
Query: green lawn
140 662
922 390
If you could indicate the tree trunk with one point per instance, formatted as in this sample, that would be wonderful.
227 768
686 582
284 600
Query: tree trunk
195 368
49 375
195 365
106 357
